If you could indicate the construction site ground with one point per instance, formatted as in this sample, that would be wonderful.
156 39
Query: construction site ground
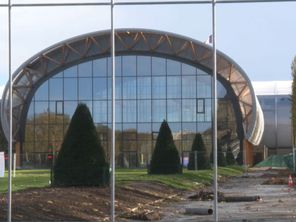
277 203
152 201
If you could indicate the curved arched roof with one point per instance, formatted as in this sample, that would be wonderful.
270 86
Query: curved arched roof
50 61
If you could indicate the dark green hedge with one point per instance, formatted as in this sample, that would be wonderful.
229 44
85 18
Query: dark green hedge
81 160
165 158
203 161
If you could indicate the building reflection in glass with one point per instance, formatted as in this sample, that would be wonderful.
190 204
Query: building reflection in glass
148 90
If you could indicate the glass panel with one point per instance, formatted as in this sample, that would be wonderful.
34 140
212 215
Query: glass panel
208 110
41 133
56 89
174 110
203 86
100 111
118 111
30 115
176 130
188 87
203 127
283 120
186 145
129 66
158 66
28 147
70 88
144 147
129 134
110 111
128 146
52 114
88 104
200 103
201 72
267 102
129 131
144 131
158 87
41 112
269 136
200 117
144 110
100 88
144 65
188 110
158 110
178 145
69 108
188 69
117 87
70 72
173 87
129 111
155 129
117 66
59 75
173 67
221 91
41 158
129 88
59 107
188 129
85 69
144 87
85 88
29 134
42 92
54 133
100 67
102 131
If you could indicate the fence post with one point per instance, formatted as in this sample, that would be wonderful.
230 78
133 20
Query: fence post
14 164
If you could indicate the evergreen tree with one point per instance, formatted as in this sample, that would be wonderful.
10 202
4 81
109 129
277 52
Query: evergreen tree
3 141
81 160
229 157
165 158
293 99
202 158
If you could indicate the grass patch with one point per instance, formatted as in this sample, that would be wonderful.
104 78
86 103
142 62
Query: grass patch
188 180
26 179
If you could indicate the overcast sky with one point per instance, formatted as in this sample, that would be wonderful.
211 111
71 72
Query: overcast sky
261 38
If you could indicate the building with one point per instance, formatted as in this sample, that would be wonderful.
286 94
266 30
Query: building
158 76
274 98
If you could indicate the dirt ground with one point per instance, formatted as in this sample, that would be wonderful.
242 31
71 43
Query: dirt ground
140 201
137 200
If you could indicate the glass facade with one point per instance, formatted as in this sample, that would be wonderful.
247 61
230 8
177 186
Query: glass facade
148 90
277 119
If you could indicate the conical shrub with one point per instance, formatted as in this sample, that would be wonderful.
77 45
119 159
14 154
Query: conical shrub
165 158
199 147
81 160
